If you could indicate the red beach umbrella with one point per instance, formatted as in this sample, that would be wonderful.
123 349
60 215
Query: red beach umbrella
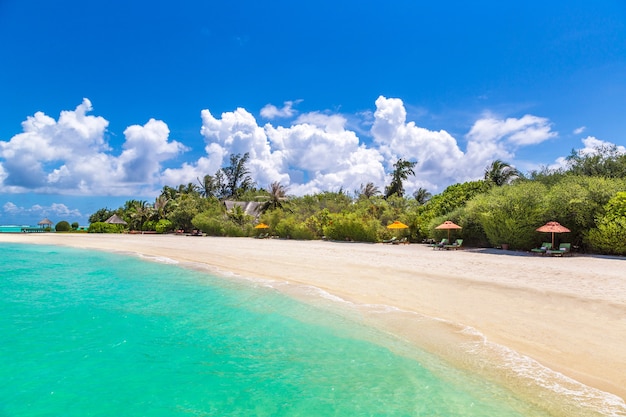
553 227
448 225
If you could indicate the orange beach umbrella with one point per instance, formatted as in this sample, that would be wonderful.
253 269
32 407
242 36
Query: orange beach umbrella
261 226
397 225
553 227
448 225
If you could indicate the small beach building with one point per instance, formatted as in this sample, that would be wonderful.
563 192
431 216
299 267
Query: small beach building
45 223
250 208
115 219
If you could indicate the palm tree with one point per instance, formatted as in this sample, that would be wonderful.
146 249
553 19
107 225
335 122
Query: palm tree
159 207
277 194
237 175
500 173
368 190
207 186
422 196
402 170
138 211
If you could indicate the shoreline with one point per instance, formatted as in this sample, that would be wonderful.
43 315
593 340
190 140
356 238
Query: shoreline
567 314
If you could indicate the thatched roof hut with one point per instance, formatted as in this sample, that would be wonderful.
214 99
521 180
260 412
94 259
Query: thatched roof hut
115 219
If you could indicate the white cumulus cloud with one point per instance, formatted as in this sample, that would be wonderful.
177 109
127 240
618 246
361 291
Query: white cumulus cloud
53 210
317 151
270 111
72 156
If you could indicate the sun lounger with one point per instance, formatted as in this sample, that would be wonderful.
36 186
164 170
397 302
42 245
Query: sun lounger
456 245
564 249
440 245
392 240
545 246
404 241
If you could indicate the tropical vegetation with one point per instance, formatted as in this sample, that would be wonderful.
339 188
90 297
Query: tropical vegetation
588 196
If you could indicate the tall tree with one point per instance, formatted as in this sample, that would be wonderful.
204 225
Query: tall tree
189 188
159 207
368 190
500 173
138 211
604 161
277 194
238 178
422 195
211 186
402 170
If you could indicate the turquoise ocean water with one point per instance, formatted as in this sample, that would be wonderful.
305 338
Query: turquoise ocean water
95 334
11 229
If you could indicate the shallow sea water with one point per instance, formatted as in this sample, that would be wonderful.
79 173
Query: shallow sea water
87 333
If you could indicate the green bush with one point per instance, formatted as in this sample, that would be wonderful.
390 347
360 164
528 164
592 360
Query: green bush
291 228
209 224
472 231
75 226
510 214
610 234
102 227
164 226
351 227
62 226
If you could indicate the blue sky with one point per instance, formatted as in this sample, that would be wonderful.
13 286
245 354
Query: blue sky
103 101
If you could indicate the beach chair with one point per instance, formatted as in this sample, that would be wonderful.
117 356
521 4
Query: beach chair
564 249
441 244
456 245
404 241
392 240
545 246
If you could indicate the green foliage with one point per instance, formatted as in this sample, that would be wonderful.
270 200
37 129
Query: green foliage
237 179
500 173
186 208
291 228
351 227
75 226
62 226
208 223
616 207
609 237
101 215
164 226
401 172
453 197
276 196
472 231
102 227
511 214
577 201
583 198
604 161
610 234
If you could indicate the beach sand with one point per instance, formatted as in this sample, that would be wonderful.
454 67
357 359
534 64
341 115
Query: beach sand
568 314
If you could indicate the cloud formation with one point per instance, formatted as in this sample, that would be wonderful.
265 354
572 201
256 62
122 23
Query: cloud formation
271 112
71 156
315 152
53 210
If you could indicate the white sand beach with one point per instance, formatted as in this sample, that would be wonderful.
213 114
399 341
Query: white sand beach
568 314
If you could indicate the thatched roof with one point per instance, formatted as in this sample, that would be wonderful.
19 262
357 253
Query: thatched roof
45 222
251 208
115 219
